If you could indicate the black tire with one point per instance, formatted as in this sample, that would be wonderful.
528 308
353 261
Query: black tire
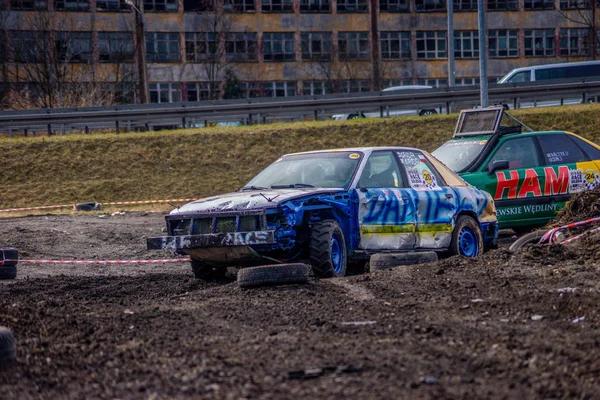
325 264
424 113
206 271
8 272
528 239
8 347
466 226
390 260
9 257
278 274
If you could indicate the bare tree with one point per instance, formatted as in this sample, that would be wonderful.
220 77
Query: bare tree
582 13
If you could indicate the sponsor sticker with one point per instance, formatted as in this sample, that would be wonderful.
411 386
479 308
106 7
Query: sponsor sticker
354 156
576 180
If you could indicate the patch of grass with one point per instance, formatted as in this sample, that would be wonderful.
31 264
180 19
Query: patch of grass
207 161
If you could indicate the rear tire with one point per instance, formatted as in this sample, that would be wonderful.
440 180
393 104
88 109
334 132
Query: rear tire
328 255
466 238
278 274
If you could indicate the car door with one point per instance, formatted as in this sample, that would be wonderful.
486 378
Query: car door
592 151
514 175
386 212
436 203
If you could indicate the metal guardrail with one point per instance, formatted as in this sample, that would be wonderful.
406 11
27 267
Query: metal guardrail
259 110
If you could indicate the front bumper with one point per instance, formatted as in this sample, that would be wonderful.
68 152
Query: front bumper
185 242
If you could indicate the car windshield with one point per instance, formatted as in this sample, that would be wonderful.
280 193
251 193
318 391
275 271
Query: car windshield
322 170
458 154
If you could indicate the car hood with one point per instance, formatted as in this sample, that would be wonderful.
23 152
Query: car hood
248 200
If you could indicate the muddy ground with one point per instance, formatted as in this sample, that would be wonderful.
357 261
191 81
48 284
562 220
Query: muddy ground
500 327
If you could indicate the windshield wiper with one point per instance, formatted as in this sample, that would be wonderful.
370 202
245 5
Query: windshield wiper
293 185
253 188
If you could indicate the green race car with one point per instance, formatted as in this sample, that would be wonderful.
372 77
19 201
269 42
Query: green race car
530 175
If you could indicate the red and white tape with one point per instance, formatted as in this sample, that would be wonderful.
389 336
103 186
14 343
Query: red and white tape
111 203
164 260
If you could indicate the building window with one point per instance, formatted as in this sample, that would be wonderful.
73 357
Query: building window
315 6
352 6
353 45
434 82
28 5
354 86
73 46
431 44
277 6
278 47
280 89
164 92
575 4
465 5
538 4
394 6
503 43
503 5
466 81
574 41
250 89
198 91
316 45
241 46
200 46
395 45
239 6
112 5
160 5
539 43
316 88
115 46
72 5
466 44
396 82
26 45
162 47
430 5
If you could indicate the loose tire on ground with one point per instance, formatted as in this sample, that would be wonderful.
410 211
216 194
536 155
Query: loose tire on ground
466 238
206 271
528 239
328 255
390 260
8 272
8 346
278 274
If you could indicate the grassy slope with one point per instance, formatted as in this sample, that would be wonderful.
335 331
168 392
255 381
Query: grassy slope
201 162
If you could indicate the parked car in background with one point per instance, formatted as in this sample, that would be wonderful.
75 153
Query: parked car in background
392 113
529 174
329 207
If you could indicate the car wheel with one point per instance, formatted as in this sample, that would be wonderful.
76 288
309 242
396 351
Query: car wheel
328 255
424 113
466 238
390 260
278 274
528 239
206 271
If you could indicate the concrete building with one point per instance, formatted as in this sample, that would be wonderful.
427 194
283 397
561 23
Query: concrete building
287 47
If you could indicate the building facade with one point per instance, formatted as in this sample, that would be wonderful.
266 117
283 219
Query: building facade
280 48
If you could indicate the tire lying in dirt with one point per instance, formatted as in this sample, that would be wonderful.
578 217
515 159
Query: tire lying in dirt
8 346
8 263
466 238
525 240
390 260
278 274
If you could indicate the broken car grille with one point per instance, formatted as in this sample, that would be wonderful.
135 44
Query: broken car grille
215 224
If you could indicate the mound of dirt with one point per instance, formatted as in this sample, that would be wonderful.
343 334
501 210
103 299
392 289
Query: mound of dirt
582 206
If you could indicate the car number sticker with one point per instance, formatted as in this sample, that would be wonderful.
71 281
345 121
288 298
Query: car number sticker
424 180
591 179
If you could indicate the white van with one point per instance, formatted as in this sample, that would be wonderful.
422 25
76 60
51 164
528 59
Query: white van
391 113
536 73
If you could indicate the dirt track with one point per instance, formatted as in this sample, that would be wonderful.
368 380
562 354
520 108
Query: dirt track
455 329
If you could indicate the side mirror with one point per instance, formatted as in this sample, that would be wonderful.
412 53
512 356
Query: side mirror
498 165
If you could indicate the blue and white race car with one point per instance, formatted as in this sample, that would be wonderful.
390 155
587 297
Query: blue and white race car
330 207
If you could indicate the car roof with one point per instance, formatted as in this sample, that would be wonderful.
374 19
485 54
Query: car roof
557 65
359 149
